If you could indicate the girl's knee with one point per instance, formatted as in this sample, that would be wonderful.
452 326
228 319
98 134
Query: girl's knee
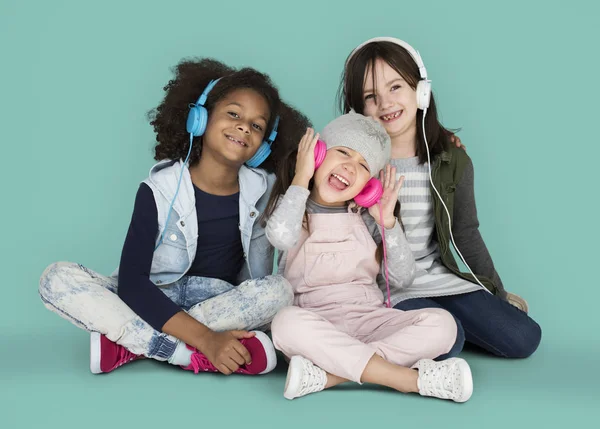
528 339
53 276
284 320
285 326
515 337
444 330
280 290
458 344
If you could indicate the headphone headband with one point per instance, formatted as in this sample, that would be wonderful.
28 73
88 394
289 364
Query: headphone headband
209 87
273 134
412 51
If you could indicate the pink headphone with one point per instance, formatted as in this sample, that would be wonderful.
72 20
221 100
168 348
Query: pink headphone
370 194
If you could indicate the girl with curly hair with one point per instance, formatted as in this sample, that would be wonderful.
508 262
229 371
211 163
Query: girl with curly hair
194 281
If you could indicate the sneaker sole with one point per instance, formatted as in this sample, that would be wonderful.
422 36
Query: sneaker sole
467 381
517 301
269 351
95 353
292 380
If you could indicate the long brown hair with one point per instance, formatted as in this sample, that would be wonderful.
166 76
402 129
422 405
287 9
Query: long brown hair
351 95
285 154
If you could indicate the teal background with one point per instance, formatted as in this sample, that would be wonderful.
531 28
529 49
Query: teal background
76 79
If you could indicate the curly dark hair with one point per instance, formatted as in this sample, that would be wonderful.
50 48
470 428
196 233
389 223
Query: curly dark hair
191 78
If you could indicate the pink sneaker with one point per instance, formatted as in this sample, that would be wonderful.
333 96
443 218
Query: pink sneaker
260 348
106 356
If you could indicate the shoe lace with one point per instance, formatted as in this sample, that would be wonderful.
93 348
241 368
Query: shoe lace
313 378
124 355
199 362
439 379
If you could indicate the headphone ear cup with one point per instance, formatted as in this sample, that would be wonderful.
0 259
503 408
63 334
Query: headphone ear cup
370 194
320 152
423 94
197 120
264 150
261 154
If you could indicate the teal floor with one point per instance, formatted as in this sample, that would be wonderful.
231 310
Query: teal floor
47 383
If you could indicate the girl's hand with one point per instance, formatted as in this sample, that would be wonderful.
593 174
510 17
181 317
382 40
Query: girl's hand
305 160
391 188
225 351
456 140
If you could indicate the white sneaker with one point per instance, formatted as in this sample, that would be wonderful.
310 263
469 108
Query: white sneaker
303 377
448 379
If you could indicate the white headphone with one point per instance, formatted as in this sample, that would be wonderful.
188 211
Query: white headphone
423 97
424 85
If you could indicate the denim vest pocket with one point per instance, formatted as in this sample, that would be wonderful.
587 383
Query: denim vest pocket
172 255
174 238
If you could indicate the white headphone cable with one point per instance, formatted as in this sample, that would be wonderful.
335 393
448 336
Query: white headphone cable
446 208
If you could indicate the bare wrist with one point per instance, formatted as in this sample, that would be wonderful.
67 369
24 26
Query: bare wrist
187 329
202 338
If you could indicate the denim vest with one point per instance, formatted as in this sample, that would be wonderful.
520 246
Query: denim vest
174 257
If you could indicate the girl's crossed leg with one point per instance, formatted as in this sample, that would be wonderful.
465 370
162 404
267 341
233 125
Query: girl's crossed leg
90 301
373 345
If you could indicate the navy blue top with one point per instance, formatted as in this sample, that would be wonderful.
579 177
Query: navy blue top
219 252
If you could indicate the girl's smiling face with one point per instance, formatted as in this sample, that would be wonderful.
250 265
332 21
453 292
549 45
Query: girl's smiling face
342 175
236 126
390 100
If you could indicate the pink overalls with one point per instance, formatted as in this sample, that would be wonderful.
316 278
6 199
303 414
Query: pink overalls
338 320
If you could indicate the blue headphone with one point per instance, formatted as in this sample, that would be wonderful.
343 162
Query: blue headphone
196 126
198 118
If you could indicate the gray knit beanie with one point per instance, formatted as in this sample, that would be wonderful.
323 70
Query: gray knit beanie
364 135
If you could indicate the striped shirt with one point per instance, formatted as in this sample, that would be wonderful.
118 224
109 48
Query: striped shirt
416 211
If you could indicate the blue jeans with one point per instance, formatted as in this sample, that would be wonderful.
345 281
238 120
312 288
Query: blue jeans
486 321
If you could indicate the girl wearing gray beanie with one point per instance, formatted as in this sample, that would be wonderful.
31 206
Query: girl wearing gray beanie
339 328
